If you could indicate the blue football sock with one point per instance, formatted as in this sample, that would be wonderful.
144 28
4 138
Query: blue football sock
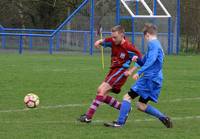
124 110
154 112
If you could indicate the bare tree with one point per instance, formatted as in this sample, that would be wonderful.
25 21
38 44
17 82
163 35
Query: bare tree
190 29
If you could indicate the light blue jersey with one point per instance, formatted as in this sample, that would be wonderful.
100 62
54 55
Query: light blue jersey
150 82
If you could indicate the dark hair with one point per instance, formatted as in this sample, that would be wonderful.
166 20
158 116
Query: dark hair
118 28
150 28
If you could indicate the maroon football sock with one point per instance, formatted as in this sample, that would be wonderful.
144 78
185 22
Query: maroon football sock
112 102
95 104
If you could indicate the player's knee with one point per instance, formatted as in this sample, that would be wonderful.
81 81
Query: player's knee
101 91
141 106
127 97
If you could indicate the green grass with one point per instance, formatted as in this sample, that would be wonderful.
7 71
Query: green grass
73 79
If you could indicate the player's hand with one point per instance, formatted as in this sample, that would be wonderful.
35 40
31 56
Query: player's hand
136 76
134 59
97 43
127 73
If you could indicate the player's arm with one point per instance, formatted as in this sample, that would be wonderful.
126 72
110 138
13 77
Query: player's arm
130 71
133 48
98 43
138 63
107 42
134 51
150 59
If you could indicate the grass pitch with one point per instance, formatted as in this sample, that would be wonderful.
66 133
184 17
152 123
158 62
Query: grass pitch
66 85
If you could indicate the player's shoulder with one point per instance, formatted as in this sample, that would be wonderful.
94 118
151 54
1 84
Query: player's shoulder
128 43
154 44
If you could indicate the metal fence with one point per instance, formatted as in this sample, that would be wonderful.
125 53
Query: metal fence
77 32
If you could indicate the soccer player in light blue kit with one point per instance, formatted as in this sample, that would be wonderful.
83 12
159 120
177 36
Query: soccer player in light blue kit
148 81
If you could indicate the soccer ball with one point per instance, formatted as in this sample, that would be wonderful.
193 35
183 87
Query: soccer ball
31 100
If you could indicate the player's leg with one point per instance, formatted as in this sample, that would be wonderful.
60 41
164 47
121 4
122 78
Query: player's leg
112 102
116 79
124 110
149 109
113 77
102 91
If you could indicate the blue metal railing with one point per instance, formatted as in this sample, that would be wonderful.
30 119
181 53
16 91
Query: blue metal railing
1 27
70 17
85 34
51 34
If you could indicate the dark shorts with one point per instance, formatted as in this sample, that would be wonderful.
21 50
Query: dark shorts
116 79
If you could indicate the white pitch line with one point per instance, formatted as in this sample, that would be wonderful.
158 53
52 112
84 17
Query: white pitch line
44 107
82 105
62 106
98 121
182 99
173 118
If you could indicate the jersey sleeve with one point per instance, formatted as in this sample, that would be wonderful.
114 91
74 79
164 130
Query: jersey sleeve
107 42
132 48
140 61
150 58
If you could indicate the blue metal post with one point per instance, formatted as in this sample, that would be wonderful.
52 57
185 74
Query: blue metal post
172 42
57 41
169 35
154 10
155 7
178 27
50 45
70 17
20 44
1 27
133 30
85 42
137 7
3 41
91 26
133 22
30 41
117 12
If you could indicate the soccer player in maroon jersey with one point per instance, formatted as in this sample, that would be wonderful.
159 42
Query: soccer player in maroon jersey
122 52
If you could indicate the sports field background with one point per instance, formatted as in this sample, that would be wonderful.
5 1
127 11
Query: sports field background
66 85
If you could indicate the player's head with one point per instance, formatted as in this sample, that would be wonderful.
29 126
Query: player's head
149 31
117 34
